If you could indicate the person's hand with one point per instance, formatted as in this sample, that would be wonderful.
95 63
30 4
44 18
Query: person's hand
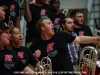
37 53
5 7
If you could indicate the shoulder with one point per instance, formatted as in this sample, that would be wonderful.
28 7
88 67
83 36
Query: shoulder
61 14
61 34
47 5
23 48
85 26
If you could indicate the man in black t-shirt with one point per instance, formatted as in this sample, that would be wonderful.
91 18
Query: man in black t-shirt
55 4
11 12
80 29
33 12
54 46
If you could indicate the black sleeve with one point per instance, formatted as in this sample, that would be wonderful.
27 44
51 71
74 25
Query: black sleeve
32 59
68 37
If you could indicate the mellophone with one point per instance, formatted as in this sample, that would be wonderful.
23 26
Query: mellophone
44 67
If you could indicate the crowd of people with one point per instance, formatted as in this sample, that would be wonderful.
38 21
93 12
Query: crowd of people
49 34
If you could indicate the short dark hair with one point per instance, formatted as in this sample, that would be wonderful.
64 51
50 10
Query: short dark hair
62 20
74 12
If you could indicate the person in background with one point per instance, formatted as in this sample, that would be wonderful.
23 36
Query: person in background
23 53
10 64
11 8
54 45
74 48
79 28
33 12
55 5
2 13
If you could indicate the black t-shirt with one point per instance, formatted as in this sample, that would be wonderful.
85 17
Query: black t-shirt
84 31
12 11
56 49
9 62
56 20
37 12
25 55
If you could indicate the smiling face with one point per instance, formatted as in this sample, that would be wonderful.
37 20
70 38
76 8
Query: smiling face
2 14
16 38
5 37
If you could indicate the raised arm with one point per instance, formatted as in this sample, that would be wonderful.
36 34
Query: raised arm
86 39
27 14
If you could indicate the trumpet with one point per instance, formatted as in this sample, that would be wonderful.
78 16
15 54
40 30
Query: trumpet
87 62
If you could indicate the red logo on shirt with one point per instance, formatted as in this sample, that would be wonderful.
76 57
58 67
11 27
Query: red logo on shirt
50 46
20 54
43 11
12 7
8 58
81 33
56 20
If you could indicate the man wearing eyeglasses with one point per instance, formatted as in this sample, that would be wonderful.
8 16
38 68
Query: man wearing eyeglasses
80 29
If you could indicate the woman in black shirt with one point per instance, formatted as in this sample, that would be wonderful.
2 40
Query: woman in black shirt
10 64
23 53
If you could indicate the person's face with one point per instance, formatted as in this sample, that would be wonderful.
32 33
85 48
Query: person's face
56 6
2 14
16 37
48 27
79 19
68 26
5 38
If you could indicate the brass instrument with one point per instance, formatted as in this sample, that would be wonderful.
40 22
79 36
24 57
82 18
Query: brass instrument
44 67
97 46
65 11
98 43
87 62
10 22
47 65
39 70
